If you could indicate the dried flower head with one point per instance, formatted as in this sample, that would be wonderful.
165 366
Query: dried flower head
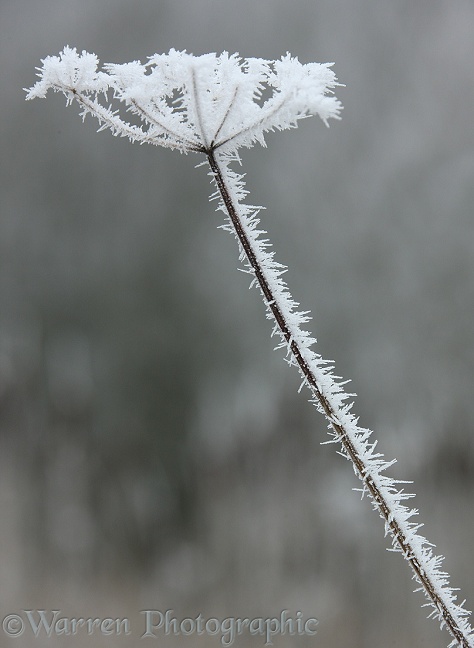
194 103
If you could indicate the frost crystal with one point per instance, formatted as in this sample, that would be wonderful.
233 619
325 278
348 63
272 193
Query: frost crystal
213 105
194 103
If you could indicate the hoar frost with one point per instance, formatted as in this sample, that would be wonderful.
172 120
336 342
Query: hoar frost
193 103
212 105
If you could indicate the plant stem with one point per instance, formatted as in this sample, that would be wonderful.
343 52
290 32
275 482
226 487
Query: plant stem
413 554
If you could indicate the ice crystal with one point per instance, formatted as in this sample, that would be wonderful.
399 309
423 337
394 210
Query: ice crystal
195 103
213 105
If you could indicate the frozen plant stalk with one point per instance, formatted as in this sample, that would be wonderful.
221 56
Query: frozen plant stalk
212 105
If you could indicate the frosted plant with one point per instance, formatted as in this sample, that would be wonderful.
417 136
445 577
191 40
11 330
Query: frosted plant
212 105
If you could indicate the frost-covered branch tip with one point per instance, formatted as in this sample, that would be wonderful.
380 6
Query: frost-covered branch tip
190 103
213 105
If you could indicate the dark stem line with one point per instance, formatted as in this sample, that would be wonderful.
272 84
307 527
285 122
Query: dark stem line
136 132
227 112
250 126
179 139
331 414
198 110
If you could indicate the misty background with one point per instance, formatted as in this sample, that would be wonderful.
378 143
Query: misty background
155 452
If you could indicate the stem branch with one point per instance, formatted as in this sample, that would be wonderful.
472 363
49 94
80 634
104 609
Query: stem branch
411 553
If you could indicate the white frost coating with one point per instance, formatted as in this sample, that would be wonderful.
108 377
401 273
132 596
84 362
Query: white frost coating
414 546
194 103
213 105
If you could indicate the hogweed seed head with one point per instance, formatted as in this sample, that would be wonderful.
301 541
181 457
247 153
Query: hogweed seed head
194 103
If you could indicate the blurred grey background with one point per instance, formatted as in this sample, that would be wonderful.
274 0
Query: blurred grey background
155 452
